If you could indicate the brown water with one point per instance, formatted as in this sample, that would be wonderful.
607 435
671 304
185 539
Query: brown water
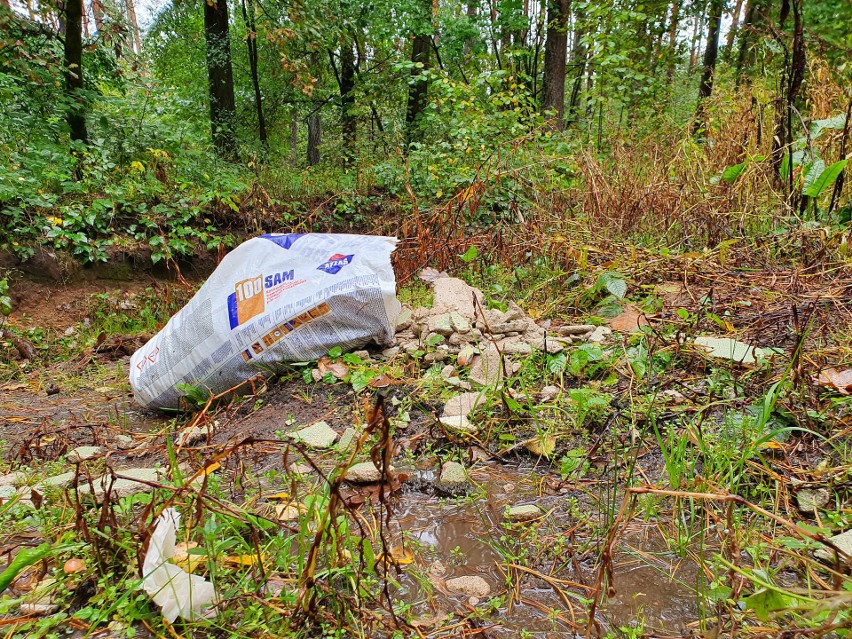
459 537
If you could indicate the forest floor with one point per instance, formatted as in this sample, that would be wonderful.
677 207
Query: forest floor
628 483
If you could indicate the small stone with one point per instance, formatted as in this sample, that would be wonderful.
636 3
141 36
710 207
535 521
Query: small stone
460 322
83 453
574 329
16 478
487 370
549 393
541 446
448 371
57 481
411 347
515 312
124 442
364 356
435 356
453 294
514 346
457 423
316 375
518 326
7 491
464 404
469 585
319 435
453 479
842 541
364 473
460 339
132 482
811 499
299 469
346 440
404 319
390 353
440 324
465 355
74 565
599 335
523 513
192 435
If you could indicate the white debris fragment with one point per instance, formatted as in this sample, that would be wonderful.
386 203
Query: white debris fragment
173 589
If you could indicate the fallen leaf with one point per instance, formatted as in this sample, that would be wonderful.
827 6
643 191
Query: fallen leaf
290 511
212 468
398 556
338 369
629 320
382 381
841 381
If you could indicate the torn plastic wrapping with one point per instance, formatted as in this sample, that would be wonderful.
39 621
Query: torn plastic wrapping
177 592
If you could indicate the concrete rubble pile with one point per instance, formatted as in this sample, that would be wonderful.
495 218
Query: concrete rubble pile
484 339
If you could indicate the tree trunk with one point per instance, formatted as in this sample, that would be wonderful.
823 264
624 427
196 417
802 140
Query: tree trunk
745 57
97 13
732 32
711 52
73 64
251 44
294 137
578 62
347 99
220 78
791 82
673 27
555 52
695 43
314 138
134 24
417 86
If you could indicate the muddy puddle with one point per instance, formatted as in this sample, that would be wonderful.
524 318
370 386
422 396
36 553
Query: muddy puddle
460 537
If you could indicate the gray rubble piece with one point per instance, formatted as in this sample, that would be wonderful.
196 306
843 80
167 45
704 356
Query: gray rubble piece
810 499
319 435
440 324
453 479
41 600
842 541
458 424
599 335
192 435
453 294
84 453
131 482
7 491
347 439
487 369
464 404
524 513
404 319
574 329
124 442
469 585
61 481
16 478
548 394
364 473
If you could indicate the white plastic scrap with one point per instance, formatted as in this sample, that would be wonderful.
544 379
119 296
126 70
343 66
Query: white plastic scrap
173 589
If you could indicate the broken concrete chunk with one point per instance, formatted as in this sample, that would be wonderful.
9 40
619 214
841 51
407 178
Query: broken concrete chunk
465 355
124 442
549 393
346 440
440 324
574 329
460 322
390 353
57 481
83 453
404 319
487 369
515 346
435 356
842 541
364 473
132 482
453 479
523 513
599 334
319 435
453 294
469 585
16 478
730 349
464 404
458 423
811 499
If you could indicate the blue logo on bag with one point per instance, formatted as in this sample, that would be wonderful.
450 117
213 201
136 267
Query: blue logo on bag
335 263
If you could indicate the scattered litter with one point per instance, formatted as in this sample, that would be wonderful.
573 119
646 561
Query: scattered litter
730 349
173 589
274 298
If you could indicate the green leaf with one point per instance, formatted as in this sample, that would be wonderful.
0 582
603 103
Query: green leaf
306 376
784 171
23 559
826 179
556 363
766 601
615 285
470 254
811 173
335 352
682 313
435 339
733 172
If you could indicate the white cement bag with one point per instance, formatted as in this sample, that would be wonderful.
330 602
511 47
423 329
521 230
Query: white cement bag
274 298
